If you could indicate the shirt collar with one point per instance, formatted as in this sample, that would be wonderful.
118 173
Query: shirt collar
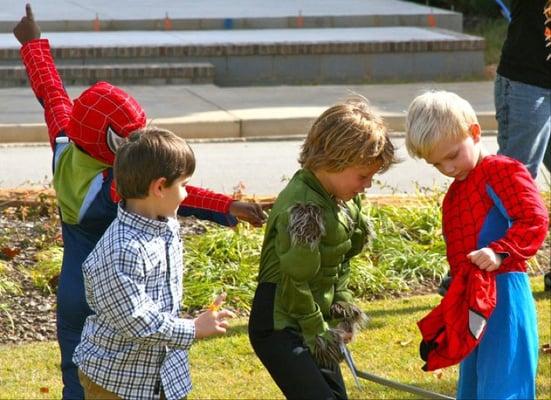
144 224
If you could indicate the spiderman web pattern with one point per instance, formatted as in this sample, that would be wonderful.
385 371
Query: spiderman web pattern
98 108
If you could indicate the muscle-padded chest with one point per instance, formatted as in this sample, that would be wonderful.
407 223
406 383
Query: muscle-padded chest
339 229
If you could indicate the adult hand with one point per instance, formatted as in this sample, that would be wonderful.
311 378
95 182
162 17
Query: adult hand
27 29
485 259
252 213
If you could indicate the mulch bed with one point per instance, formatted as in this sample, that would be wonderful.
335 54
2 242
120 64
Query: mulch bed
28 224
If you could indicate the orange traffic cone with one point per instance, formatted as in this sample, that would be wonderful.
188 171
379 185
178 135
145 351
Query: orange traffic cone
300 19
431 20
167 23
96 24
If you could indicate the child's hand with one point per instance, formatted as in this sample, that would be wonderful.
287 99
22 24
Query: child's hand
27 29
249 212
212 321
347 336
485 259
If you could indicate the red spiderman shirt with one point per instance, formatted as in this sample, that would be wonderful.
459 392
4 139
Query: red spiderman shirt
497 206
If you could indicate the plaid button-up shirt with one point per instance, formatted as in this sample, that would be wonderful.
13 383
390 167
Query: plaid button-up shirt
135 340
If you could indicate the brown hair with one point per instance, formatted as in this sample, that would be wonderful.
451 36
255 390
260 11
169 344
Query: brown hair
347 134
149 154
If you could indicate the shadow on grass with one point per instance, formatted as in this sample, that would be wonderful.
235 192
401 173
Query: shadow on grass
376 318
398 311
240 329
542 295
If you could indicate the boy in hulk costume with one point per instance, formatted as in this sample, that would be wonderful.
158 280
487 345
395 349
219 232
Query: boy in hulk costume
302 310
84 136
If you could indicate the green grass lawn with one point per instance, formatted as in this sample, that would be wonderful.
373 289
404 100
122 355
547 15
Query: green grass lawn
226 367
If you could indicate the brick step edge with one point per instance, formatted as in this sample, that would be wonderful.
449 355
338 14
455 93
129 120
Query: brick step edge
251 49
71 74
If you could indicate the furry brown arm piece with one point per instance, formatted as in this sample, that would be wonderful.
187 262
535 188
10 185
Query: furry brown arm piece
350 317
326 349
306 225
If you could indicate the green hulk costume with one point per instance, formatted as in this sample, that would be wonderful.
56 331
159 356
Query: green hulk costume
309 240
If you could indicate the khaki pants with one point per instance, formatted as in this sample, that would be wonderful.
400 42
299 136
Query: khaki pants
93 391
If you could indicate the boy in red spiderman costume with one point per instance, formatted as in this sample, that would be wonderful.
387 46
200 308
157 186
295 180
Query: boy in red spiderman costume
494 220
84 136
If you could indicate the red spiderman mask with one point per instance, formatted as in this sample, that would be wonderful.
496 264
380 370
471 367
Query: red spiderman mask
102 117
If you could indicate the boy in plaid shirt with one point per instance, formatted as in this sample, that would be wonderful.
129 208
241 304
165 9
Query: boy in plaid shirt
135 344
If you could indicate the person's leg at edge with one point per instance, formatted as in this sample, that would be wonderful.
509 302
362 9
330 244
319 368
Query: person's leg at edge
72 311
523 114
68 338
524 121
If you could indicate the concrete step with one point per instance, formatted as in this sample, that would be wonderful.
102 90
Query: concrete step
152 74
283 56
83 15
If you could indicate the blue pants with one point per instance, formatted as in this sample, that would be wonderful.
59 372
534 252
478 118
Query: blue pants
504 364
72 311
523 114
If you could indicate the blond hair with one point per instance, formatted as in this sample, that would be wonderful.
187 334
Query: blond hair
437 116
347 134
149 154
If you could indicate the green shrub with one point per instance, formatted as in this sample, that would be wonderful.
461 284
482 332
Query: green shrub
222 260
45 273
494 32
7 284
408 251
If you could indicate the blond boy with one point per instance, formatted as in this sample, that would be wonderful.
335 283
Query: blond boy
493 220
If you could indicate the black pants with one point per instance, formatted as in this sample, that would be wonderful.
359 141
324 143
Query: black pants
286 357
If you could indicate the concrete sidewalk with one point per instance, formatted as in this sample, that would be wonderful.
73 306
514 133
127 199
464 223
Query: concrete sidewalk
79 15
208 111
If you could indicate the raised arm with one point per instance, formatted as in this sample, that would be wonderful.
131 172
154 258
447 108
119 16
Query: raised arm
43 76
